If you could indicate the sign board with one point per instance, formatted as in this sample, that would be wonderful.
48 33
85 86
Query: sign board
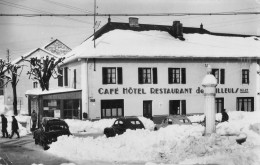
57 113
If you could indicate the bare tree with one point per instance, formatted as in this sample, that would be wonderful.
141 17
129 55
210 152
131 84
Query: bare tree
42 69
4 66
14 81
8 73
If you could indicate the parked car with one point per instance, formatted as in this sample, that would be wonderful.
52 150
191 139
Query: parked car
50 130
122 124
173 119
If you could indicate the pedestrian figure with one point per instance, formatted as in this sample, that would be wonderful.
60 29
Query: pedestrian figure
15 128
4 126
34 119
225 116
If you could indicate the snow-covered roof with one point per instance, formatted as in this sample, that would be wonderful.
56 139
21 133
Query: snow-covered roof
50 91
120 43
48 48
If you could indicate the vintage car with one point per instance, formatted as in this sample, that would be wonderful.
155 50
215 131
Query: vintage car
173 119
122 124
50 130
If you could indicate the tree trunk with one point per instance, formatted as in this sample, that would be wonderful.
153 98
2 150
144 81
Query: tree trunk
14 83
15 100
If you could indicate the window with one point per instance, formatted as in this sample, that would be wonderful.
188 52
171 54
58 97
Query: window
35 84
1 87
245 76
75 79
49 106
66 76
60 78
219 104
71 109
112 108
177 75
219 74
245 104
147 75
112 75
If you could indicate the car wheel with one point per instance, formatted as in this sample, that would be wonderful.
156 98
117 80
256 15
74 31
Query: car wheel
36 141
155 128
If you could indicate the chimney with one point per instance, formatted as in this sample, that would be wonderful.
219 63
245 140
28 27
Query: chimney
177 30
201 26
133 22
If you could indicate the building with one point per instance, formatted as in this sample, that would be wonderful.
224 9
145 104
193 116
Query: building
128 69
55 49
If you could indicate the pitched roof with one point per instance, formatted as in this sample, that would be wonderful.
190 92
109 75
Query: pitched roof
119 40
49 48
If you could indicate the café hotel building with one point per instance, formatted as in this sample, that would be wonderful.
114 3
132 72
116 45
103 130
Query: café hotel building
133 69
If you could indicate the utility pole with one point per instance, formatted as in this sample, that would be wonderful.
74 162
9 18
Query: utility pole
94 23
8 55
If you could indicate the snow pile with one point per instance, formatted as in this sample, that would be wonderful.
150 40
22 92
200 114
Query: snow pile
200 118
173 144
76 126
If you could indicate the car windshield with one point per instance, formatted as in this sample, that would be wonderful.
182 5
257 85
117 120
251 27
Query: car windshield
184 120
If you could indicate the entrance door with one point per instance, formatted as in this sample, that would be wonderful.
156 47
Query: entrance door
219 102
174 107
147 109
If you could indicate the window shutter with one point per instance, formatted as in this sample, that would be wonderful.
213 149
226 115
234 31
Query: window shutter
183 106
75 78
66 76
140 75
154 75
248 77
222 76
60 78
170 76
119 76
104 75
183 75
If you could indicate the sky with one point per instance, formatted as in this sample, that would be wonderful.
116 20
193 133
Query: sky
23 34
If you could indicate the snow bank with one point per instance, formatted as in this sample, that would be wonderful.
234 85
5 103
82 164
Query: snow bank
171 145
76 126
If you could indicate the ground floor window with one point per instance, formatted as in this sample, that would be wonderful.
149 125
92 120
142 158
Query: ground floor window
71 109
245 104
177 107
112 108
49 107
219 104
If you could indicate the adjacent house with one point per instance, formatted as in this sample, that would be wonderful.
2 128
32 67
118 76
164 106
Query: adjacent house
53 49
133 69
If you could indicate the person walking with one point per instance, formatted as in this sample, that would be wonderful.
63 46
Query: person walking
14 128
225 116
34 119
4 126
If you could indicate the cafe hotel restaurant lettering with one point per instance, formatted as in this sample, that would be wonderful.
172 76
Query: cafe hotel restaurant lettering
133 69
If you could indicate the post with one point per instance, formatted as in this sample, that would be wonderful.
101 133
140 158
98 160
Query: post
209 82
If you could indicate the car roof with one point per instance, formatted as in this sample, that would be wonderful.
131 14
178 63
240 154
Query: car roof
129 118
178 117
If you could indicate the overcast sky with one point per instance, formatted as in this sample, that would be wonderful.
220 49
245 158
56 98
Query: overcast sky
23 34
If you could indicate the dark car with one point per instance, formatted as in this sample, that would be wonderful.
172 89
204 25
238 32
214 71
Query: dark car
50 130
122 124
173 119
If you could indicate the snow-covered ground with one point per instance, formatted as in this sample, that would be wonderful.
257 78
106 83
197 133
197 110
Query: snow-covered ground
172 145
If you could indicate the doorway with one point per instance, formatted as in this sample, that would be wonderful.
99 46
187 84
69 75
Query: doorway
147 109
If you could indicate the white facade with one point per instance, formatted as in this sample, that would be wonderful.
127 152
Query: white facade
90 73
